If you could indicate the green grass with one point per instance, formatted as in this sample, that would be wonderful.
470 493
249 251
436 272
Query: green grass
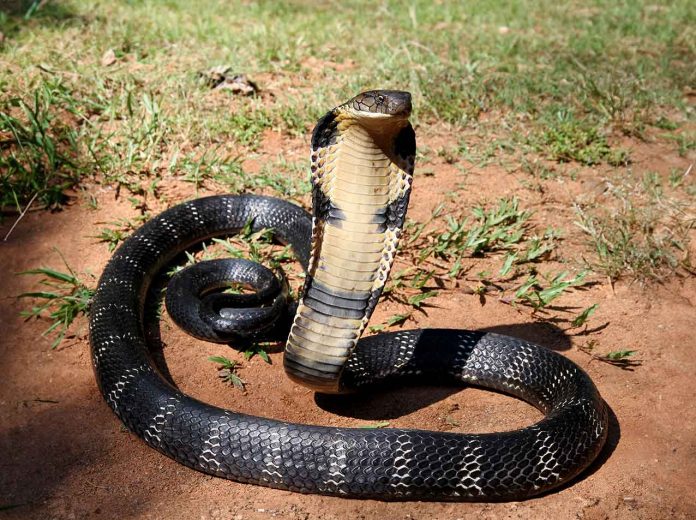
624 359
117 231
640 227
538 292
564 77
68 298
503 232
503 227
493 229
568 138
539 83
39 145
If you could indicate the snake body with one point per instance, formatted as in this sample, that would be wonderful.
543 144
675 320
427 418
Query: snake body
362 162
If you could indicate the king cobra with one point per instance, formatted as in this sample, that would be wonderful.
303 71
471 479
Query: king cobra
362 163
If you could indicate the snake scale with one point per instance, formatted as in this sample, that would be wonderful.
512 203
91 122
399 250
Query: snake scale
362 162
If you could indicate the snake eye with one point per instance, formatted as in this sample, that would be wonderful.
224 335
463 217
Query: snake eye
380 99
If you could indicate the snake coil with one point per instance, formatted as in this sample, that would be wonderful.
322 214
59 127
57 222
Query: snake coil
362 162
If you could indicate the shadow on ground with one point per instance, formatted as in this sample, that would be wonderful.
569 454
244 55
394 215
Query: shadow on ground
540 332
42 453
17 15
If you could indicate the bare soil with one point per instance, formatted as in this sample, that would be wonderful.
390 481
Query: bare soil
63 454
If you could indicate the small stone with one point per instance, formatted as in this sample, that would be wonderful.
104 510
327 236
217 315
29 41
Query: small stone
108 58
630 502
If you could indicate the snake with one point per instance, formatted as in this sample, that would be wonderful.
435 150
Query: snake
362 163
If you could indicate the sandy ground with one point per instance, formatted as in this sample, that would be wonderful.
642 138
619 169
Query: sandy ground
63 454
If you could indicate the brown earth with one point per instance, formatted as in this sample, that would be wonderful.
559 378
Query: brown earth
63 454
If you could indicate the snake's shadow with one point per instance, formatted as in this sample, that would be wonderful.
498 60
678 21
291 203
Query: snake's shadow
385 401
538 332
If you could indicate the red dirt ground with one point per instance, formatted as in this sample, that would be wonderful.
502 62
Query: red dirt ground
63 454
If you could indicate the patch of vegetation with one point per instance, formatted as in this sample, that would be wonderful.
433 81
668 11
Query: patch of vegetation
256 350
226 171
494 229
503 227
685 141
257 246
414 302
39 150
287 179
539 291
582 318
68 298
227 371
570 139
614 68
499 228
637 230
624 359
119 230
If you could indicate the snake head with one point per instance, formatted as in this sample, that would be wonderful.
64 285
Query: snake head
381 103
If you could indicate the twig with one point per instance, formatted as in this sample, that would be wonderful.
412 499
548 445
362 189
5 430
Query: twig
21 215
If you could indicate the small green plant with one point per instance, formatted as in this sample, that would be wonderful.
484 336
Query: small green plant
68 298
624 359
259 244
256 350
119 230
416 303
619 355
582 318
647 240
247 124
285 178
686 141
227 371
570 139
497 228
208 166
532 250
677 177
41 149
540 292
418 300
539 169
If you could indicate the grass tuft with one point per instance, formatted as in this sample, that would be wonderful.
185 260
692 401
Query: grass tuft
39 149
68 298
637 230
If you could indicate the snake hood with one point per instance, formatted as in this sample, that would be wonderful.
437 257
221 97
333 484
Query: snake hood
363 154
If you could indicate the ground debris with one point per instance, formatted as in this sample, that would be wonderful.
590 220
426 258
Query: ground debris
222 77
